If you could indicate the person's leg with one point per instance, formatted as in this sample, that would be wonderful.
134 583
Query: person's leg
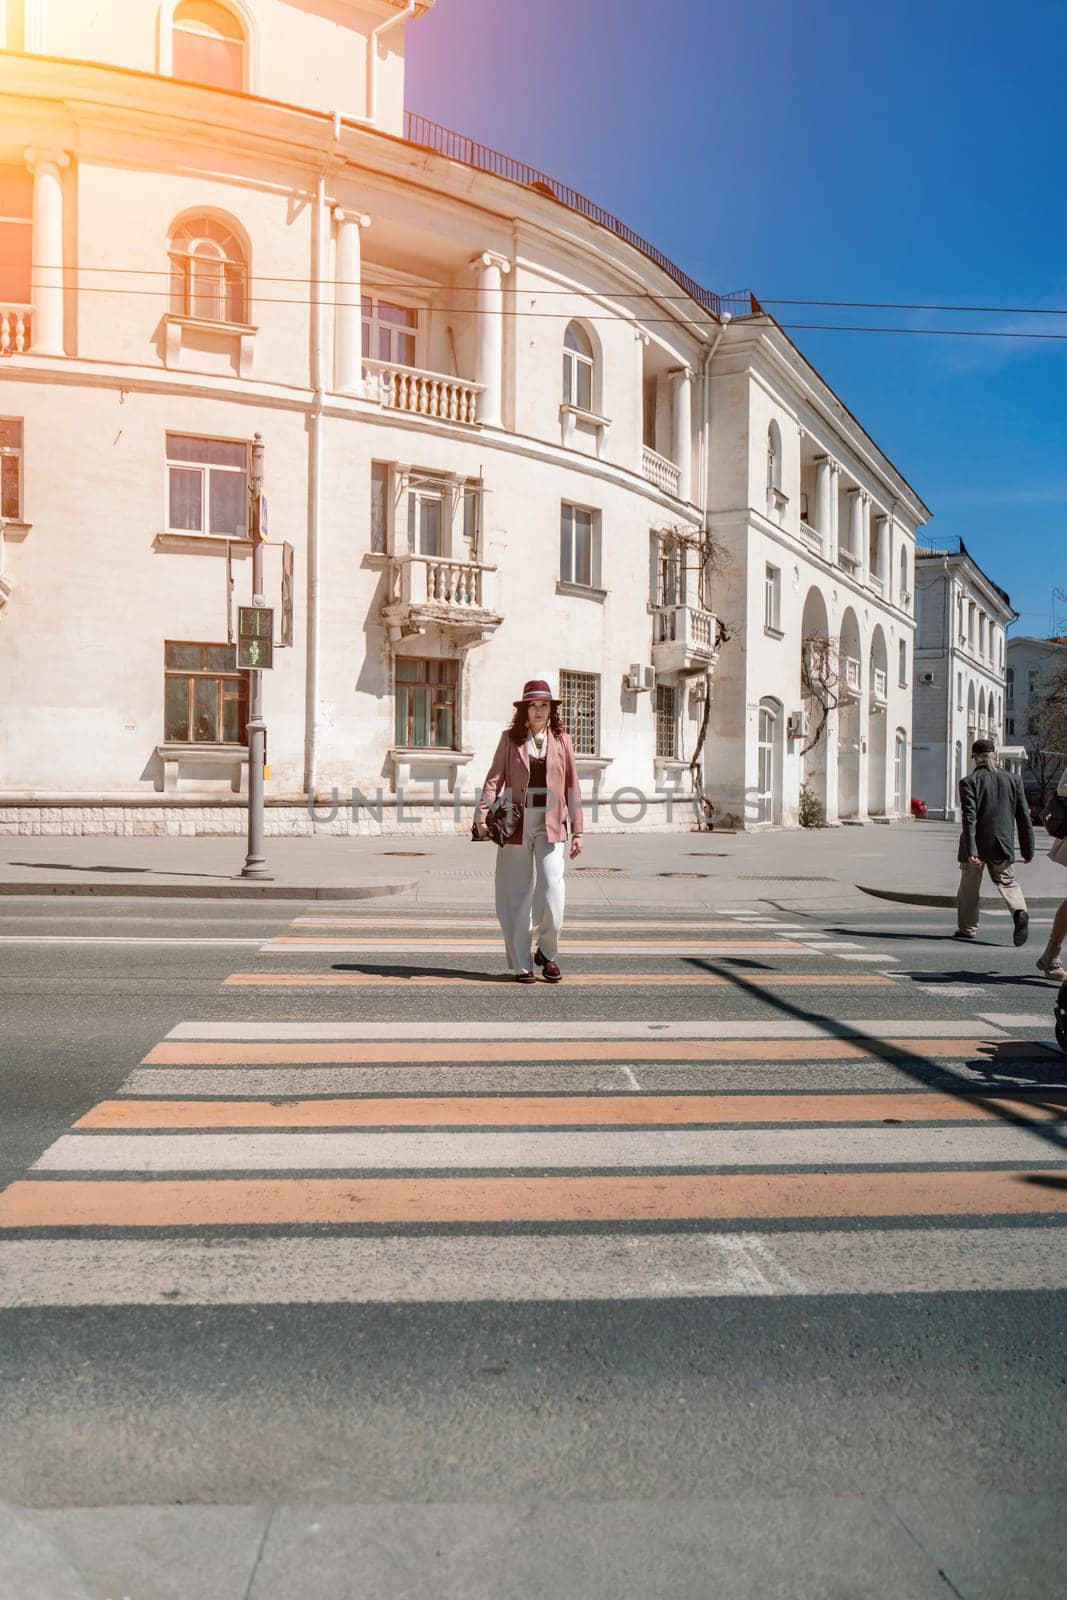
549 894
1051 962
1003 875
967 896
514 895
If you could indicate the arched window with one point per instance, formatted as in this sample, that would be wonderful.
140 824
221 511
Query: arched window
578 368
768 761
774 457
208 45
208 272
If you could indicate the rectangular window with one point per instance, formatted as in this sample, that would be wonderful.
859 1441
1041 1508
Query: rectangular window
426 703
10 469
205 698
390 332
772 598
428 506
959 691
379 507
580 711
577 546
902 677
1010 727
472 517
207 486
16 238
666 728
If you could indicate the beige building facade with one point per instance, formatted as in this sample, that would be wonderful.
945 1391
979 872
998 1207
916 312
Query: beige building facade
501 437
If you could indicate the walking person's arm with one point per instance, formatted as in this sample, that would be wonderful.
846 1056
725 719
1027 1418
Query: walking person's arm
1022 820
573 793
495 780
969 820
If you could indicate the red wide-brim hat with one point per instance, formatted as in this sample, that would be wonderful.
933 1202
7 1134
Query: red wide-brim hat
536 689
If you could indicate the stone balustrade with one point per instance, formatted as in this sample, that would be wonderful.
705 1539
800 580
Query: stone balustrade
850 674
880 686
658 470
683 636
436 580
422 394
15 334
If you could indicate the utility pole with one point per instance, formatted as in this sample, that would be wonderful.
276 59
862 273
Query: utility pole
255 864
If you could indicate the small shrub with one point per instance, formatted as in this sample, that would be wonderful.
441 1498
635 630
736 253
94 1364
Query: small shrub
811 813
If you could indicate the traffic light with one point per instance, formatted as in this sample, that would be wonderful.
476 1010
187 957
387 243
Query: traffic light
255 637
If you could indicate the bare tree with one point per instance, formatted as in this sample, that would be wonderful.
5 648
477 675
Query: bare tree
820 682
1046 746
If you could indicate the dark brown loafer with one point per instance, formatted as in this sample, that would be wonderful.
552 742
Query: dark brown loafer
549 970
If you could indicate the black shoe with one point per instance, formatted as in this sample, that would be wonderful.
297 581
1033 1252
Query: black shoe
961 933
1022 926
551 971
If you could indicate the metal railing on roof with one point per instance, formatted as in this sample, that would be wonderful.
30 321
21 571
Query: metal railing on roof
442 141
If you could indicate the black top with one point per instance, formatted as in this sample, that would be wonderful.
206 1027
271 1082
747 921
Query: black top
537 793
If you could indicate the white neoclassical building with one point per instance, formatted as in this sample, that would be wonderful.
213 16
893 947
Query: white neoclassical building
502 435
961 646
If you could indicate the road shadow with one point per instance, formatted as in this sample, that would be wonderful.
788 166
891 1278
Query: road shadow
991 980
376 969
1028 1062
69 866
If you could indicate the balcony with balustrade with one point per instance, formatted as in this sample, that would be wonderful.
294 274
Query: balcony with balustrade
15 329
442 592
665 474
850 680
422 394
684 639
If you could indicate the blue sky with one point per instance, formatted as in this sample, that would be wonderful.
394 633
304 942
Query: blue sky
831 150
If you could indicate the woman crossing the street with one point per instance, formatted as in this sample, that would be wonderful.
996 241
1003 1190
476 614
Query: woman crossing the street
531 796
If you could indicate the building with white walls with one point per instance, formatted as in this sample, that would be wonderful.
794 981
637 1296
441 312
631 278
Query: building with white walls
1034 667
501 434
960 669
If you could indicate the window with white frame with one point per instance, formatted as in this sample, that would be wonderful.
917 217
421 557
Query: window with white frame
10 469
579 561
904 596
207 486
208 271
16 239
390 332
902 663
666 722
578 368
772 598
580 709
429 518
472 492
209 45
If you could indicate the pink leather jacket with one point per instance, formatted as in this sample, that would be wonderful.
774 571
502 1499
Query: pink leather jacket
509 773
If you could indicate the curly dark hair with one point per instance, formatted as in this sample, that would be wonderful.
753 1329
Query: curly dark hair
520 723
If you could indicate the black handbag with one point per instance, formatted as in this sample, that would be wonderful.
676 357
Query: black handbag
1055 817
500 821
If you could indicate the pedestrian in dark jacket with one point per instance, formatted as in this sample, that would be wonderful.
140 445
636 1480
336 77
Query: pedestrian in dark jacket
992 806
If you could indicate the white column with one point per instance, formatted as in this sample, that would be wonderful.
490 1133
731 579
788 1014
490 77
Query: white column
835 504
865 537
489 307
682 398
348 324
822 501
640 342
46 291
884 545
855 524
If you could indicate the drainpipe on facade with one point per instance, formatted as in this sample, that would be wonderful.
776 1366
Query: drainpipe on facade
370 118
695 773
311 693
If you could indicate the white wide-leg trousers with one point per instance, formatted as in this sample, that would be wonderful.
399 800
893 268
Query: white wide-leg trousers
530 895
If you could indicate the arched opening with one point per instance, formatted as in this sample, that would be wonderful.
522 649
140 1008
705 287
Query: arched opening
849 689
769 762
814 642
579 368
900 773
209 45
208 271
774 456
877 698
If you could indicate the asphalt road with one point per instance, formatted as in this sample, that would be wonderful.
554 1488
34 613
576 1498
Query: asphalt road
825 1357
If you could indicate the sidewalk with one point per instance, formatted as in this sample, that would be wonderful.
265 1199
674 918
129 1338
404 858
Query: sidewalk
833 869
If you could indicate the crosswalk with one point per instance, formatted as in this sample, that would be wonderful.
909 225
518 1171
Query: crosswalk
543 1147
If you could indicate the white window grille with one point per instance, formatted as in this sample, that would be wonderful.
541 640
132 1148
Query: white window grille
666 725
578 368
208 45
577 545
207 486
390 332
208 272
580 709
772 597
10 469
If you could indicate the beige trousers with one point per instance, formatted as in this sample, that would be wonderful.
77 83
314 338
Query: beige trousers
1002 874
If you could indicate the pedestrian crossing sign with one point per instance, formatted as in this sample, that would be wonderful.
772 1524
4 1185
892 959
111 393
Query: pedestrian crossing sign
255 637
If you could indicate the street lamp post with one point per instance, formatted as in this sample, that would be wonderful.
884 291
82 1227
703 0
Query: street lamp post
255 862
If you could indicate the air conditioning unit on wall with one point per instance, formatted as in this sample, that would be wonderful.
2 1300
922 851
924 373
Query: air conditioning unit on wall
639 679
927 677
